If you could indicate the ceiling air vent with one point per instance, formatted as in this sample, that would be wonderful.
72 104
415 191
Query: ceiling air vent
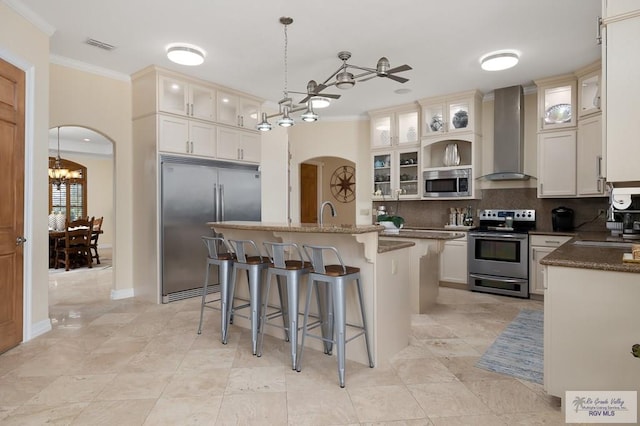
100 44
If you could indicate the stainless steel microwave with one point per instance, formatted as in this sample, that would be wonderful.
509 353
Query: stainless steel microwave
446 183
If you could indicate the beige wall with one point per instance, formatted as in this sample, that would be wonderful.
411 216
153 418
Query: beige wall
99 191
24 46
344 139
103 104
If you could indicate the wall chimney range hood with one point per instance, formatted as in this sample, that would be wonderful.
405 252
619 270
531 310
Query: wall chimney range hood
508 135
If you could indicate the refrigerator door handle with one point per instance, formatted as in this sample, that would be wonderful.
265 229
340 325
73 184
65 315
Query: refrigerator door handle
215 202
221 202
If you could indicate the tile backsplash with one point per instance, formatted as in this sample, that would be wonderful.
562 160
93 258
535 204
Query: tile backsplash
435 213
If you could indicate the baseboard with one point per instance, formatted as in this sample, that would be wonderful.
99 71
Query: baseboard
122 294
459 286
40 328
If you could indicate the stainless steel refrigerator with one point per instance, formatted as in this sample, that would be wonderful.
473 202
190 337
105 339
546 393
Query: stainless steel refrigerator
194 192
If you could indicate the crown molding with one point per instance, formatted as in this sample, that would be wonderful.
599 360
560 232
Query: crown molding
28 14
83 66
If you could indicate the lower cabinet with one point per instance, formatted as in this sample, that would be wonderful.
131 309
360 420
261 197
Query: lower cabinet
539 247
453 261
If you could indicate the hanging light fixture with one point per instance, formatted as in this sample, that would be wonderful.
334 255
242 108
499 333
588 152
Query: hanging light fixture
286 107
58 174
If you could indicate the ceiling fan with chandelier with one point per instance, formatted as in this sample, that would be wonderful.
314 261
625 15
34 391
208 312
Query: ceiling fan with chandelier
344 79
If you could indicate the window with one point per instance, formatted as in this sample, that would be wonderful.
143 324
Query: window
70 197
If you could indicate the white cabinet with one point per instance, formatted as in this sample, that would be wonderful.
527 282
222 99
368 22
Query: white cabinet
396 170
557 100
621 90
179 96
238 111
557 164
451 114
396 126
539 247
238 145
453 261
183 136
590 181
589 90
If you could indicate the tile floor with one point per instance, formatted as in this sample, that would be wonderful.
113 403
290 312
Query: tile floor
127 362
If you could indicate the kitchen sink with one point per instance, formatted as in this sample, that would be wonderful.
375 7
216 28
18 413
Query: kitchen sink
603 244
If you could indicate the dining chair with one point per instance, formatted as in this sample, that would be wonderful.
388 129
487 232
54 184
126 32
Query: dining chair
75 250
97 230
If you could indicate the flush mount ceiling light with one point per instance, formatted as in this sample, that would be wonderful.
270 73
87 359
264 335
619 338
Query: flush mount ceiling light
498 61
185 54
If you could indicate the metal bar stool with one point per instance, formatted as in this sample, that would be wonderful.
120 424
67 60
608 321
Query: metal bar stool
249 258
336 276
292 270
219 253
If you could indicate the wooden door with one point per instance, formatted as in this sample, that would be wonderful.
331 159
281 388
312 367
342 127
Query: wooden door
308 193
12 84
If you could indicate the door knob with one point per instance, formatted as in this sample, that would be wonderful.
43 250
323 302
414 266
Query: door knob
20 241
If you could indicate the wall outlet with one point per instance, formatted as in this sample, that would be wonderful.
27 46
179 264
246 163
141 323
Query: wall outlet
601 212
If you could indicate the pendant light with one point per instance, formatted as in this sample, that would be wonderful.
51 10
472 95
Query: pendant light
58 174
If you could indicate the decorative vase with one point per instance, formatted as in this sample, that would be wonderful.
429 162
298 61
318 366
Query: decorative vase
60 221
52 221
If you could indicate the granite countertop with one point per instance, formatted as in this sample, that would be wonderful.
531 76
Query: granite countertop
385 246
598 257
296 227
427 234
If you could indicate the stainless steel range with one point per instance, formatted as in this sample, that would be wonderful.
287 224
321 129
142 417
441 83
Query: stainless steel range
498 258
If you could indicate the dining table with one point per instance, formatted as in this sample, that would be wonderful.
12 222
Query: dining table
54 236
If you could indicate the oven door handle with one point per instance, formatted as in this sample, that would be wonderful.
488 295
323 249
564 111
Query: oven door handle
494 278
509 237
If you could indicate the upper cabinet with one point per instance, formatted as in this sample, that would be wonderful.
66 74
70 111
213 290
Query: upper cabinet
589 90
238 111
178 96
557 99
451 114
395 127
621 89
192 117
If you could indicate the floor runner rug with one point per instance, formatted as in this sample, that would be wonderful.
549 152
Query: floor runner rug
518 351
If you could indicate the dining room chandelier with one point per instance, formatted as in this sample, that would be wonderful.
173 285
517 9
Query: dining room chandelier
58 174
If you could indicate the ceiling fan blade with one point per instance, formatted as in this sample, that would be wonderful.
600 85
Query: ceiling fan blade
320 88
396 78
304 101
329 95
368 78
399 69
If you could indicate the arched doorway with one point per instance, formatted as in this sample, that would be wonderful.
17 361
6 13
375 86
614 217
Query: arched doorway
95 152
328 179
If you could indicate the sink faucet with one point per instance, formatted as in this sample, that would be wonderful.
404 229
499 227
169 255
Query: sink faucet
322 206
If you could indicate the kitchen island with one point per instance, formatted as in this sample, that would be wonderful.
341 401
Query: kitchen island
424 263
384 270
590 316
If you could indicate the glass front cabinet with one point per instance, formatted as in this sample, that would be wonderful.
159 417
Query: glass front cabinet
395 127
557 99
451 114
396 174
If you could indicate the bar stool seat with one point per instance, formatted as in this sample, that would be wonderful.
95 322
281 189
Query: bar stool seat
292 270
336 276
248 258
219 253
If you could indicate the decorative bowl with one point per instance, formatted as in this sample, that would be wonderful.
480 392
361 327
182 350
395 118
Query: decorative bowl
460 119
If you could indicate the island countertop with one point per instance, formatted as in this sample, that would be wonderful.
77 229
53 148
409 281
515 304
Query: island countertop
591 256
297 227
